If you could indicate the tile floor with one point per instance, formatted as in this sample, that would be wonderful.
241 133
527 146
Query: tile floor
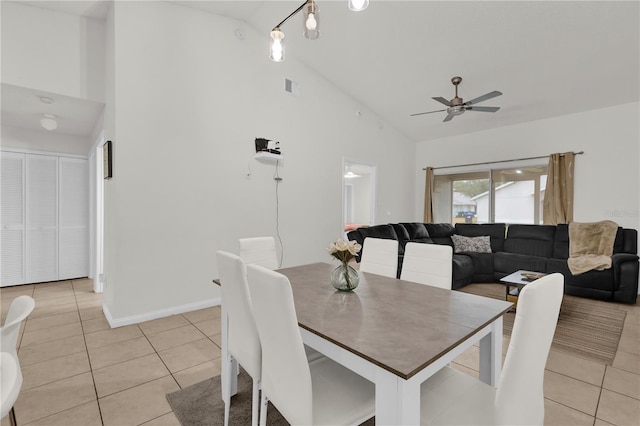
79 372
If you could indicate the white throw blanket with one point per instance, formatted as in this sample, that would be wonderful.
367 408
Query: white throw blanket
591 245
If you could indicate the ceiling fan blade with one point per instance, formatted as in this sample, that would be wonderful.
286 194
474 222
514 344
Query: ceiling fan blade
483 98
442 101
428 112
482 109
449 117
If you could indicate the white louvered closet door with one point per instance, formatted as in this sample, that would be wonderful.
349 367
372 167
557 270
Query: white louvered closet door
74 218
42 218
12 193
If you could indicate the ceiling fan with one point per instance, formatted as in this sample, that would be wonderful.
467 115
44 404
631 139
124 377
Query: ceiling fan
456 106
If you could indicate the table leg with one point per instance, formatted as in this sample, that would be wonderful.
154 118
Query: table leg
397 400
491 354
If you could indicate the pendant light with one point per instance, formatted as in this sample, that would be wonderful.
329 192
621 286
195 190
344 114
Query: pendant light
311 21
358 5
276 52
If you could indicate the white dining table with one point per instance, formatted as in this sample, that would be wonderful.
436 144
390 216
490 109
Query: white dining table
395 333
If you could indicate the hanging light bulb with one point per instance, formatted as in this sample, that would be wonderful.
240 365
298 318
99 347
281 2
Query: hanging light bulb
358 5
311 21
276 51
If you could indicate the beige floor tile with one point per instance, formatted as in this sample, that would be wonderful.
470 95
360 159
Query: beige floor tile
48 295
42 401
627 362
49 350
217 339
198 373
558 414
55 301
163 324
190 354
573 393
139 404
209 327
578 368
45 311
207 314
168 419
48 335
175 337
470 358
618 409
34 324
116 353
88 297
128 374
630 340
95 324
91 312
622 382
599 422
89 303
465 370
113 335
55 369
83 415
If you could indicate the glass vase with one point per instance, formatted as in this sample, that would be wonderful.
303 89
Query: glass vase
345 278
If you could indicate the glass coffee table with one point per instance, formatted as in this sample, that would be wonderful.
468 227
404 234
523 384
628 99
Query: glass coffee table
516 281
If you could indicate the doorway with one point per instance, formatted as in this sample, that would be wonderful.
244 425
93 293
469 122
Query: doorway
358 195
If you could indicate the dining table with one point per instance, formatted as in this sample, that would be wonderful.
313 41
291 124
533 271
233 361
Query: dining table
393 332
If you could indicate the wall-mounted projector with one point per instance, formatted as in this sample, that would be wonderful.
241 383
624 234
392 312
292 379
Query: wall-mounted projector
267 145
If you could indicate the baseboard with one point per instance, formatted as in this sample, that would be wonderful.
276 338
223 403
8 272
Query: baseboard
148 316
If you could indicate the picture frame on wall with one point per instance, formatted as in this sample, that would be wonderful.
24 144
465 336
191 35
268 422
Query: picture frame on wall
107 156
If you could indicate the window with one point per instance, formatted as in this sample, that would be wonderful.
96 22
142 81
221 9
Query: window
505 195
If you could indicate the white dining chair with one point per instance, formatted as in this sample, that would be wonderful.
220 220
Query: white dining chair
320 392
454 398
380 257
243 342
11 383
19 310
260 251
429 264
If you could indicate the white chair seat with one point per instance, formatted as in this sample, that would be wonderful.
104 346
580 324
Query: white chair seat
329 397
441 396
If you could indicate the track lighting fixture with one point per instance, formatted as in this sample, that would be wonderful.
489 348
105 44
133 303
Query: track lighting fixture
310 24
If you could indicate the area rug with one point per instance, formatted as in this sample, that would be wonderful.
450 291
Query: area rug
588 329
201 404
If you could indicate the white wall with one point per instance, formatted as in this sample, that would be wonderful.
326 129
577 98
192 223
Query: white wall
189 98
607 179
35 140
51 51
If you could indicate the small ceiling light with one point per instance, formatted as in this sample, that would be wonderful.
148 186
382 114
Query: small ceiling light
276 52
358 5
49 122
311 21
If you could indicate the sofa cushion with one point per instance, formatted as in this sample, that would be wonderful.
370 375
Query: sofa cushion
533 240
482 267
403 236
440 233
506 263
599 280
417 232
497 232
471 244
462 270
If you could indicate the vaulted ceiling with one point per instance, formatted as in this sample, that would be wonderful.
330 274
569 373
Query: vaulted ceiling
548 58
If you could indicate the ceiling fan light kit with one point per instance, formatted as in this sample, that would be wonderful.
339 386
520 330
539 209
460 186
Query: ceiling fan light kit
310 25
457 106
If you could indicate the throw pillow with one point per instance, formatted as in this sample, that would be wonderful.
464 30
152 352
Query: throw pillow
471 244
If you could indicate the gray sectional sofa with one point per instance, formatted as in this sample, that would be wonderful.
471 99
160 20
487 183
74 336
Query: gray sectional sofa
541 248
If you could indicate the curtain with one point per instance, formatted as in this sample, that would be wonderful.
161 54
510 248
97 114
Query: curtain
428 196
557 206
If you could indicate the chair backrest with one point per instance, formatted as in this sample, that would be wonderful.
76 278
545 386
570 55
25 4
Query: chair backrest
259 251
380 256
19 310
519 398
243 343
429 264
286 377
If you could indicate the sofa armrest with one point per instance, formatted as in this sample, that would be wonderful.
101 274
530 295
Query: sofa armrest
625 276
